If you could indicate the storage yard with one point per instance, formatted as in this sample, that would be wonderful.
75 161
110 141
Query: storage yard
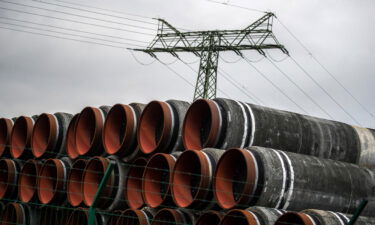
211 162
214 159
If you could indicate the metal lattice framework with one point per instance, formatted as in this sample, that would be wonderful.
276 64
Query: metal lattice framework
207 45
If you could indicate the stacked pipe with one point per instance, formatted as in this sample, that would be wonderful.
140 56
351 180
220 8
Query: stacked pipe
212 162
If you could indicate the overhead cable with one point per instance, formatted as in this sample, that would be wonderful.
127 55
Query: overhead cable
77 15
64 38
70 34
75 21
325 91
90 11
327 71
69 29
275 85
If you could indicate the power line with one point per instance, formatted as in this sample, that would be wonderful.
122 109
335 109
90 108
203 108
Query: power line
74 35
111 10
176 73
77 15
326 70
103 9
245 91
276 60
64 38
274 85
236 6
309 52
139 61
89 11
75 21
75 30
325 91
230 62
299 88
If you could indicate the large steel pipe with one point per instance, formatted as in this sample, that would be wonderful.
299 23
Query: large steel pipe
88 131
114 217
52 180
74 183
133 185
80 216
20 139
27 181
136 217
284 180
312 217
192 178
112 196
209 218
49 134
63 214
160 126
120 131
6 126
70 141
156 184
2 207
173 217
9 172
223 123
252 216
48 215
366 157
15 213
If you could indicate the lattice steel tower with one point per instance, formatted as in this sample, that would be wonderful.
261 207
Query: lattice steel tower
208 44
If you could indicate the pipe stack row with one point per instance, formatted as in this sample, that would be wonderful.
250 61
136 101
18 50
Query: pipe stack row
214 161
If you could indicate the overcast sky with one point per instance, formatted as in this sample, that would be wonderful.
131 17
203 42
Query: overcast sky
45 74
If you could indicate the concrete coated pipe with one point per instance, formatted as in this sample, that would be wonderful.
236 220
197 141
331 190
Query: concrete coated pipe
173 217
192 178
70 141
49 134
6 126
88 133
112 196
156 184
136 217
252 216
9 173
15 213
223 123
27 181
312 217
160 127
20 139
52 181
210 217
284 180
74 183
367 143
133 185
80 216
120 131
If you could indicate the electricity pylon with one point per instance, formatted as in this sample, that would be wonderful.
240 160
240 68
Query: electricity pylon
207 45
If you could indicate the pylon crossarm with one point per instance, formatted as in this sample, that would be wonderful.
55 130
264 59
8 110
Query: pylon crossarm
207 45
